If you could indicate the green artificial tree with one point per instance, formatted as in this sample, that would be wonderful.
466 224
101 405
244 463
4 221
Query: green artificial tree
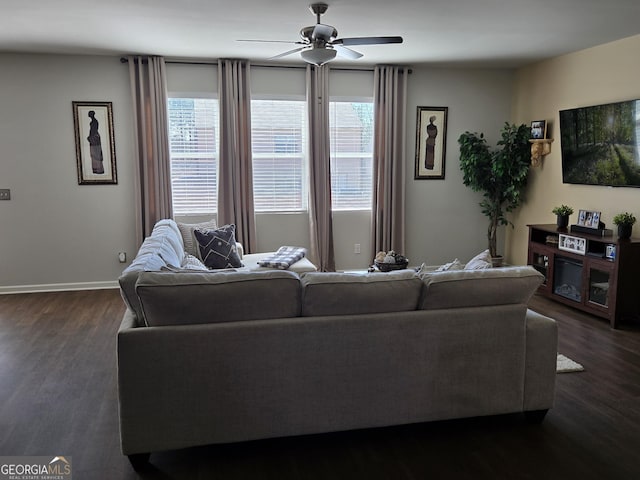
500 173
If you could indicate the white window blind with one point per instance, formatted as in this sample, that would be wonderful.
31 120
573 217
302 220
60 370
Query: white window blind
351 134
193 140
278 143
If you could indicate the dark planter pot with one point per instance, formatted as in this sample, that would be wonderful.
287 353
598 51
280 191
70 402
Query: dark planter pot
624 231
563 221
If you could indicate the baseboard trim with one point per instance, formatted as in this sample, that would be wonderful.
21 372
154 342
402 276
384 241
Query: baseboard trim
58 287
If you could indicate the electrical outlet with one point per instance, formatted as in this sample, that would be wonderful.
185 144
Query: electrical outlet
122 257
356 248
5 194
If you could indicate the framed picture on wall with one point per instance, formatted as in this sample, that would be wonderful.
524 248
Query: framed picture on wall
95 145
431 140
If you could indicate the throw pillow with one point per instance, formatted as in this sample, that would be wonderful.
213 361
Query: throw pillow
191 262
455 265
188 238
480 261
218 247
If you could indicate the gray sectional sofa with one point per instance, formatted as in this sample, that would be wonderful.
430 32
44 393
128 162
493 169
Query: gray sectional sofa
217 357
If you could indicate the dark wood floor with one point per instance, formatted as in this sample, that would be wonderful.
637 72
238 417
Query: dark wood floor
58 397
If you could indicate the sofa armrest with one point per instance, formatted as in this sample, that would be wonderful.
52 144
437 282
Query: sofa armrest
540 362
240 250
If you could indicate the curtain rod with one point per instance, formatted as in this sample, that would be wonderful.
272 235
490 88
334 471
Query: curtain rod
261 65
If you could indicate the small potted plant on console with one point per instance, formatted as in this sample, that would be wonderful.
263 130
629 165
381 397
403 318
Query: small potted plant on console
625 222
562 214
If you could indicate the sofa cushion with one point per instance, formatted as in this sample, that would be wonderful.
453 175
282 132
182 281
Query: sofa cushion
453 265
189 239
192 262
475 288
189 264
480 261
325 293
218 247
169 298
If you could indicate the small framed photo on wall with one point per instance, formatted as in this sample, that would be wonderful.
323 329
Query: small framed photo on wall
431 140
95 145
538 129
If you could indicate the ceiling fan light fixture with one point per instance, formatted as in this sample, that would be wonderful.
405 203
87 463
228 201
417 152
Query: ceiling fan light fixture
318 56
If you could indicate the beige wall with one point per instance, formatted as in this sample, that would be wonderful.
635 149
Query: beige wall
55 233
444 220
603 74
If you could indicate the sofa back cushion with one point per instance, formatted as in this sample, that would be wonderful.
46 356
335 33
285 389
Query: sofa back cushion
169 298
477 288
325 293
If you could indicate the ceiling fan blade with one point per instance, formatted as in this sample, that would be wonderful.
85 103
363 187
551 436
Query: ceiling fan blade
323 32
347 52
269 41
366 41
288 53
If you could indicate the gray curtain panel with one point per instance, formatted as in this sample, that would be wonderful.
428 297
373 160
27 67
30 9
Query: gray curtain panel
320 217
389 100
152 163
235 182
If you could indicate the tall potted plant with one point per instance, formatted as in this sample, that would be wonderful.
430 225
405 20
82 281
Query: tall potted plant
499 173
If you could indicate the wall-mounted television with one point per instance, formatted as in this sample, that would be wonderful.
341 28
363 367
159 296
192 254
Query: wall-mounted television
600 144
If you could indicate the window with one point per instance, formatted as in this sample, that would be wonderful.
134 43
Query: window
351 134
279 146
278 143
193 144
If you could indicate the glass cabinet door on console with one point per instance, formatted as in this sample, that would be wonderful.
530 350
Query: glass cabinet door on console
598 283
540 262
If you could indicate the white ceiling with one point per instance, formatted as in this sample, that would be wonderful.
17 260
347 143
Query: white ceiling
490 32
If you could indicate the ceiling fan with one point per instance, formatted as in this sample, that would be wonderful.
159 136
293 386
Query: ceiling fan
320 44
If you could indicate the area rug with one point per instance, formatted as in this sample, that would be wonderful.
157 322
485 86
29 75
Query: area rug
566 365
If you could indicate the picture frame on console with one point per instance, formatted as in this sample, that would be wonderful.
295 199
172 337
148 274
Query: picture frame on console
589 219
431 141
95 144
569 243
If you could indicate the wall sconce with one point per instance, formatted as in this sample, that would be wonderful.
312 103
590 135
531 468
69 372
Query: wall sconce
539 148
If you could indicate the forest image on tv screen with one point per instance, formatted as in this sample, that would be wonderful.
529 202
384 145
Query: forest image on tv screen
600 144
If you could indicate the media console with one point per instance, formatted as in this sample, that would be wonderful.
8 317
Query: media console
595 273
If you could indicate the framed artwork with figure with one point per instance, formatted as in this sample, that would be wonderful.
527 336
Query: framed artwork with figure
431 141
95 145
